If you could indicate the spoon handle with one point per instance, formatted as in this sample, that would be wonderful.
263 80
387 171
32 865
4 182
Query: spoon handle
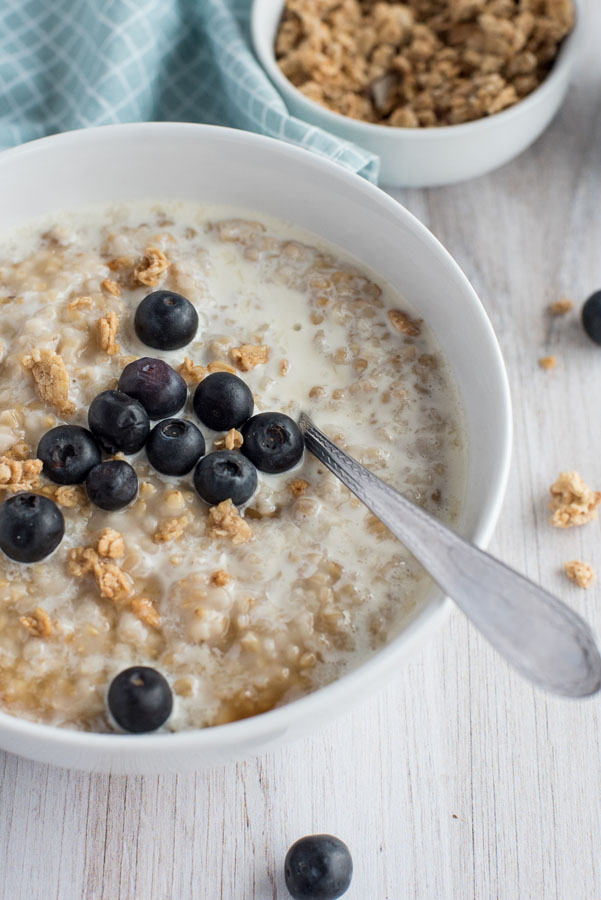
538 634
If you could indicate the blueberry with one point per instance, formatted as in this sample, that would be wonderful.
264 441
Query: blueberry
272 441
140 699
224 475
112 484
31 527
118 422
175 446
165 320
223 401
158 387
318 867
591 317
68 453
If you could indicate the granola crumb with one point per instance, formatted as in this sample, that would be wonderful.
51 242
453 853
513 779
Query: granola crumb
111 581
247 356
111 287
581 573
110 544
151 267
70 496
51 378
144 609
400 321
17 475
226 521
171 529
547 362
220 578
298 486
106 329
20 450
190 371
572 501
284 367
561 307
219 365
38 624
233 440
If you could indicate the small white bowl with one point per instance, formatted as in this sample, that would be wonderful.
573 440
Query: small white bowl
166 161
427 157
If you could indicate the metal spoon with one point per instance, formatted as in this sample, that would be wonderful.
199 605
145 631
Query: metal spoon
538 634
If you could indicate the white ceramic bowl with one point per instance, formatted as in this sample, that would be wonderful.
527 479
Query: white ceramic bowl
165 161
427 157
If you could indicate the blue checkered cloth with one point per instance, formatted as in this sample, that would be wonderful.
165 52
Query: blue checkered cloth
68 64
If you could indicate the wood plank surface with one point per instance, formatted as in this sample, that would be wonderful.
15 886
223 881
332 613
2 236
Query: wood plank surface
459 780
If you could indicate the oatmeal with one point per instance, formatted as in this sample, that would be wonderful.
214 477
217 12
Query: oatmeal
420 63
241 608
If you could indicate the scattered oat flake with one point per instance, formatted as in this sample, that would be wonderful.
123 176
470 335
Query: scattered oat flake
38 624
171 529
298 486
284 367
107 332
17 475
581 573
81 303
111 287
192 372
119 262
220 366
110 544
220 578
233 440
151 267
51 378
143 608
400 321
247 356
547 362
572 501
561 307
226 521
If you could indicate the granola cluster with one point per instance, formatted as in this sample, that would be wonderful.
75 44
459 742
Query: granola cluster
420 63
572 501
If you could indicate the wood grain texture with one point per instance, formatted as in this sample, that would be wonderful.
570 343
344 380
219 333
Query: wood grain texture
459 781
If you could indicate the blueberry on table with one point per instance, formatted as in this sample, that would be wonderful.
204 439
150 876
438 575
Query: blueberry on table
118 422
112 485
140 699
31 527
272 441
223 401
224 475
591 317
158 387
165 320
68 453
175 446
318 867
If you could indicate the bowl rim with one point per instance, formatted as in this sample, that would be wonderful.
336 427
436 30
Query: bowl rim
265 51
244 733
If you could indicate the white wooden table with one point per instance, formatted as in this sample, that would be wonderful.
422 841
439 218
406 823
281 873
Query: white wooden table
460 780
